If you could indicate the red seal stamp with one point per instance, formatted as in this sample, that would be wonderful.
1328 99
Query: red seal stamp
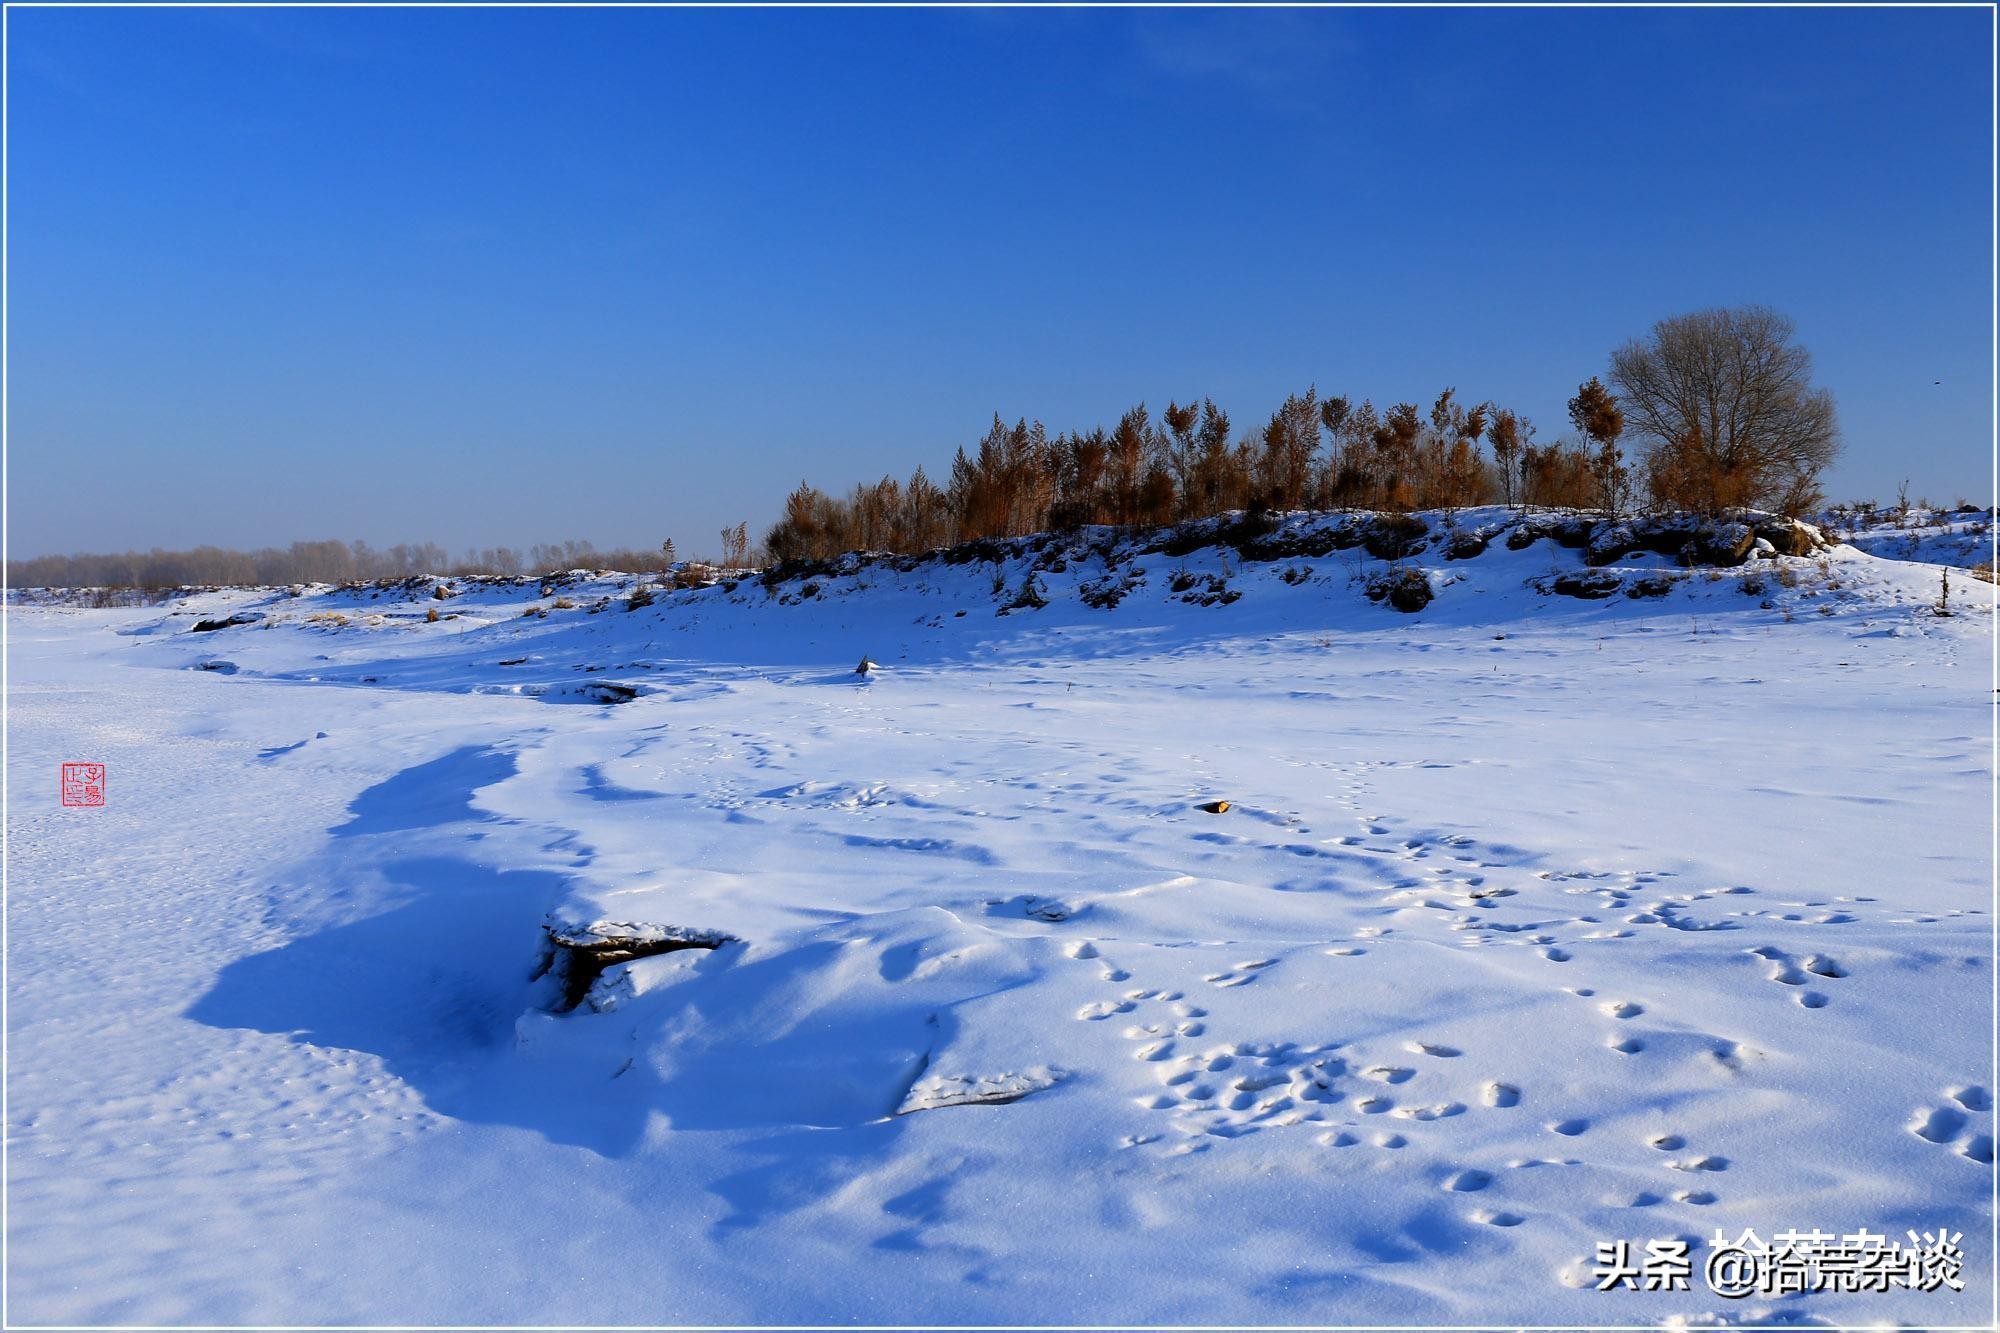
83 784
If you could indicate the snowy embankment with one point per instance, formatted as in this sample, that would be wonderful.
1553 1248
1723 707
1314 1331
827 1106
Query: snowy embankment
608 965
1962 538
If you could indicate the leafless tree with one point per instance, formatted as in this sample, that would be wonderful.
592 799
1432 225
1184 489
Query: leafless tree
1730 393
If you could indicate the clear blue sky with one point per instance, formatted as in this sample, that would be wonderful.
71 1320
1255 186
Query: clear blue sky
501 276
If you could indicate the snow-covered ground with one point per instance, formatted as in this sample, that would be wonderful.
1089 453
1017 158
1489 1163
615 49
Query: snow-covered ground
1533 922
1961 538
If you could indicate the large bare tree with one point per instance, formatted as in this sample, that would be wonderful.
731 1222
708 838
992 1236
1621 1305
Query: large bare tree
1725 400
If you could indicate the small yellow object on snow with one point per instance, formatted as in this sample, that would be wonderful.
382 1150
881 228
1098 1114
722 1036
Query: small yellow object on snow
1216 807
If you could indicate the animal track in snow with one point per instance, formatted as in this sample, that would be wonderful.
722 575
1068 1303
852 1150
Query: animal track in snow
1232 1090
1466 1181
1240 975
1500 1095
1735 1057
1788 971
1939 1123
1943 1124
1701 1164
1494 1218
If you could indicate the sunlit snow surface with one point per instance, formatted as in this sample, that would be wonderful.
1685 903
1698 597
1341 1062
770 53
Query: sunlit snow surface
1533 923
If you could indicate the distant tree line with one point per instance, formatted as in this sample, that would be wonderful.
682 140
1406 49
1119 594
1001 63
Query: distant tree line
1718 406
312 562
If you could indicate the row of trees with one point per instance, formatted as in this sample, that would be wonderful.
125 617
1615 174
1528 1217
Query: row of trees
1717 405
311 562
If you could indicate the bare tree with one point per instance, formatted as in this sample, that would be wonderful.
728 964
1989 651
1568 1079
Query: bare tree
1732 386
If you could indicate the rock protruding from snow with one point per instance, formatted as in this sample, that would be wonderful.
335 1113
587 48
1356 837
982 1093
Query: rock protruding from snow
928 1094
227 622
578 954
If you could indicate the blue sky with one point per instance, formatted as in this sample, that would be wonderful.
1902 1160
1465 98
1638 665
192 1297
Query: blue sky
502 276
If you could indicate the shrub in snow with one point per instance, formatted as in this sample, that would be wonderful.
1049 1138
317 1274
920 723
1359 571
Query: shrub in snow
1396 536
1110 590
1031 597
1408 590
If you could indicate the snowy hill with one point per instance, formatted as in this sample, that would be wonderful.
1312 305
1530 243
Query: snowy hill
1960 537
539 952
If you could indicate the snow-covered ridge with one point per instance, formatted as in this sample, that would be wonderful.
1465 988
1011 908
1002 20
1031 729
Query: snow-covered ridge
597 637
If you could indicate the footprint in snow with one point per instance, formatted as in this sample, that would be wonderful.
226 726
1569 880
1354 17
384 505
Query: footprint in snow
1701 1164
1735 1057
1943 1124
1972 1098
1240 975
1500 1095
1787 971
